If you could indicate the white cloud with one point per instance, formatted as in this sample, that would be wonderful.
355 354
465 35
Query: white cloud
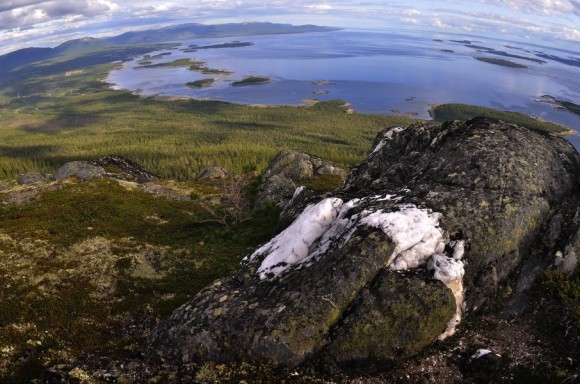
320 7
45 20
547 7
437 23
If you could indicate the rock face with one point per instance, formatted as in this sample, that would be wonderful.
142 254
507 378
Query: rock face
426 228
122 168
81 169
212 173
287 171
31 178
116 167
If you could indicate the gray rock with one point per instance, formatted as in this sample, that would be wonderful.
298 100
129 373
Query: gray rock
277 190
211 173
119 167
31 178
288 170
495 186
567 262
80 169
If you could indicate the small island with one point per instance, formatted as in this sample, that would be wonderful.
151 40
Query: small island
203 83
232 44
504 63
321 92
196 66
251 80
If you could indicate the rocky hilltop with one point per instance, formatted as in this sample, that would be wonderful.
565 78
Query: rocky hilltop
449 255
433 227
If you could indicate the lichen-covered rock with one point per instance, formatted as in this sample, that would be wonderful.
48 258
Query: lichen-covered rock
288 170
434 220
115 167
120 167
31 178
80 169
212 173
494 183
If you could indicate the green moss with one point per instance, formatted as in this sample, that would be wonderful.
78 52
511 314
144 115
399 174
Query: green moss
323 183
566 290
69 291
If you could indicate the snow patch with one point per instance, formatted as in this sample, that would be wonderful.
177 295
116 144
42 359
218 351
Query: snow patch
390 132
415 233
296 243
387 136
450 271
481 353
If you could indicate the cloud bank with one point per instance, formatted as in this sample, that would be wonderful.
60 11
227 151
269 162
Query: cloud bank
25 23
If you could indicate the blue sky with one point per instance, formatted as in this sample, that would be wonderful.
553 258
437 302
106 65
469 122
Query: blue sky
26 23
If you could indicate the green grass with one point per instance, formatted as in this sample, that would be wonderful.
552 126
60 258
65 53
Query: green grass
446 112
503 63
62 118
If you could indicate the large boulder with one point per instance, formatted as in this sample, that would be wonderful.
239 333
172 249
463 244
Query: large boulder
115 167
213 172
120 167
33 177
290 169
80 169
426 228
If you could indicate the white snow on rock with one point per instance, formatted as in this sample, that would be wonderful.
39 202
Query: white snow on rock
295 244
458 249
481 353
446 269
387 136
390 132
415 233
450 271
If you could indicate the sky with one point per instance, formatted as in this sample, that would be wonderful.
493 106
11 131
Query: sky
47 23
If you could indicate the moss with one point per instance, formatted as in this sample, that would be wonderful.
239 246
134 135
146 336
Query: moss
68 290
565 290
396 319
324 183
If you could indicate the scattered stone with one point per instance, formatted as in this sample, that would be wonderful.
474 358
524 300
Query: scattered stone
80 169
122 168
288 170
31 178
484 366
213 172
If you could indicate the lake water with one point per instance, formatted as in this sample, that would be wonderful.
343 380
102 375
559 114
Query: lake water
375 71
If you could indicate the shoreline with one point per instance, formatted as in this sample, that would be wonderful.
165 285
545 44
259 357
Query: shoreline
305 103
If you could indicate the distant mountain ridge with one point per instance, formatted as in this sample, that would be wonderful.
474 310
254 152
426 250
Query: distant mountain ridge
194 30
88 45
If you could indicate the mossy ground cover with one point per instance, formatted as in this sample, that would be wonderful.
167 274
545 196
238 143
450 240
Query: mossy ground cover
89 268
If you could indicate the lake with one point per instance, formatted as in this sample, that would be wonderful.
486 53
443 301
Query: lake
375 71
